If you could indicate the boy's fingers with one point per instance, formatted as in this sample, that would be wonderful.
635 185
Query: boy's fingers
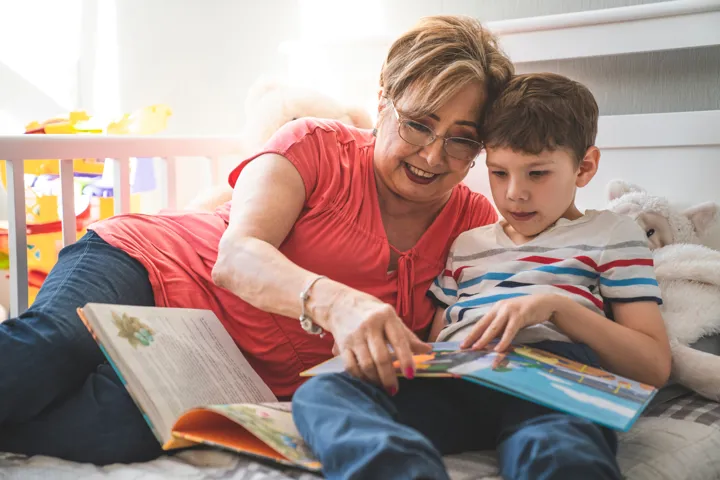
398 338
511 330
492 331
478 329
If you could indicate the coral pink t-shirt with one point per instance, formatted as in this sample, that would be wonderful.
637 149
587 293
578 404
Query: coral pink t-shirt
339 233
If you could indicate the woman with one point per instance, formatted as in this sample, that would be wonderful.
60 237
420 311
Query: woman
358 222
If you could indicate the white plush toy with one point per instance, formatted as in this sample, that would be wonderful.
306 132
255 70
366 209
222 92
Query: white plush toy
689 277
268 106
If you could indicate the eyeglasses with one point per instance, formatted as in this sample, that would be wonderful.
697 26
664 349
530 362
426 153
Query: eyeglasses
419 135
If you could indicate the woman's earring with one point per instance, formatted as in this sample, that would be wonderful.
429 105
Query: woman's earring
472 164
374 132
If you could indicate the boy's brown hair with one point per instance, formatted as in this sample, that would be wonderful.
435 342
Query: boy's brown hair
542 111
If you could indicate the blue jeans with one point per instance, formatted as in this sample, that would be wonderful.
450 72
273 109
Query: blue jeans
58 396
358 431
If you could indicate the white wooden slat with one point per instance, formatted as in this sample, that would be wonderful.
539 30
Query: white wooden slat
17 240
168 182
655 130
121 185
67 197
637 36
649 27
119 146
603 16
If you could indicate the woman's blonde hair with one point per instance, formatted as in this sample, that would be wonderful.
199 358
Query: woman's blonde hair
438 57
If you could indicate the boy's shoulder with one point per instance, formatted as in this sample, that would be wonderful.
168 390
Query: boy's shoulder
613 225
478 238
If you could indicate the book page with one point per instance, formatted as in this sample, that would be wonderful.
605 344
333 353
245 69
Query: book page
273 424
176 358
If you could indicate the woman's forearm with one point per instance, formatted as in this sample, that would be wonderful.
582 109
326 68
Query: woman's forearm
260 274
622 350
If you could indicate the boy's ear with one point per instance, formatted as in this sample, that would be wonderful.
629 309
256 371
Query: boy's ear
588 167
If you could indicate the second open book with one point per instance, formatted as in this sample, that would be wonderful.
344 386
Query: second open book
194 386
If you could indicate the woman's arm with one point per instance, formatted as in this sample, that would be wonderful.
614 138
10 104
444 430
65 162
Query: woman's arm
635 345
267 200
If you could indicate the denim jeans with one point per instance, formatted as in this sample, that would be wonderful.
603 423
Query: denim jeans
58 396
359 432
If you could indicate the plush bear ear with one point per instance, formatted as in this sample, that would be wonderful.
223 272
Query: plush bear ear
263 85
618 188
703 216
359 117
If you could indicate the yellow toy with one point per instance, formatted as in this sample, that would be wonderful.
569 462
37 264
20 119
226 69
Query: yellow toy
44 228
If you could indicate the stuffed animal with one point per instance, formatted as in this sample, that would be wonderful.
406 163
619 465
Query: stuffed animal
689 277
268 106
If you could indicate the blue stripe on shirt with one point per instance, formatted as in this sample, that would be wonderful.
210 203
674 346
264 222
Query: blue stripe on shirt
487 276
566 271
475 302
446 291
625 282
545 268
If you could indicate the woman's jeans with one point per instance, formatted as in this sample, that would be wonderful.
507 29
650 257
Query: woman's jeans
359 432
58 396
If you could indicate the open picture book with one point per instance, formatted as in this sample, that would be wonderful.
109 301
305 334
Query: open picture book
537 376
192 383
194 386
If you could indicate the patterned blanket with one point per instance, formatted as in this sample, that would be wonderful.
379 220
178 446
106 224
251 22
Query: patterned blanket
690 407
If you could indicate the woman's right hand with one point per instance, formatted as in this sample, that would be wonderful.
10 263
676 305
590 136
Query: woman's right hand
364 328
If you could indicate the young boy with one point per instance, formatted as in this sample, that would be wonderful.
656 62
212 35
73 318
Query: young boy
546 275
547 271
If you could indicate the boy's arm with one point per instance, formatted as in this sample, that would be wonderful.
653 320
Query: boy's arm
635 345
438 324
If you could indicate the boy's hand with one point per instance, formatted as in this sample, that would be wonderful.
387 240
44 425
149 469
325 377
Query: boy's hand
508 317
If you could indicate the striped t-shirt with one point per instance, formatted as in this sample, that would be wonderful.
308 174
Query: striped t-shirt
598 258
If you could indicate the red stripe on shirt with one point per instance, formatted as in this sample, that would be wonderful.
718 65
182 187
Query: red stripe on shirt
457 272
538 259
583 293
549 260
630 262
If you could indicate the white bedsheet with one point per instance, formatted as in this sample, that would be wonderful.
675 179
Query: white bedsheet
657 448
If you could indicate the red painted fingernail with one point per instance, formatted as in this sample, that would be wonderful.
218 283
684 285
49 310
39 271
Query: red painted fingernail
409 373
392 391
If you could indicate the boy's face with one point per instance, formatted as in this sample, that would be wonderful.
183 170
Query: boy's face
533 191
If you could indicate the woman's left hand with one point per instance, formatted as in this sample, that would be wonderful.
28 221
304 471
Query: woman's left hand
508 317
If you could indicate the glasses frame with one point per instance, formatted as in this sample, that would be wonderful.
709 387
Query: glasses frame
401 120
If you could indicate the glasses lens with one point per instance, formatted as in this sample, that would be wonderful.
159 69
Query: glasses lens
462 148
415 133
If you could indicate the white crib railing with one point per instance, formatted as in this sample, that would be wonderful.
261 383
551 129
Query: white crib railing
15 149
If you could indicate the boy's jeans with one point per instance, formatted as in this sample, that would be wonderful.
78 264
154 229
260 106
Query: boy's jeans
58 397
360 432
